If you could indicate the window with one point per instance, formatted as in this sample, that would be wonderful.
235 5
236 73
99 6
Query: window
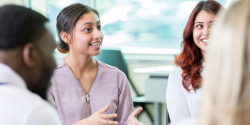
137 25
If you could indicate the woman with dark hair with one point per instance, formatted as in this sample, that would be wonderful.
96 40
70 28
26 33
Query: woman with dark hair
183 90
81 85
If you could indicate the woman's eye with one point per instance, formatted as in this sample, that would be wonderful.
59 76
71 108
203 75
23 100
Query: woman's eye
212 25
99 27
199 26
88 29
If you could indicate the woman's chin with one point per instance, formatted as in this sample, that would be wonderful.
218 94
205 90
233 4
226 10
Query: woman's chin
95 53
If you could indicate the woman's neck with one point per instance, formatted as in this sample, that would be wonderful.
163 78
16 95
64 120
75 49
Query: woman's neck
203 56
80 63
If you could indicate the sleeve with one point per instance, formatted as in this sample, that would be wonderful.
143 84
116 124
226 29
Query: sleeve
50 93
44 115
125 104
176 100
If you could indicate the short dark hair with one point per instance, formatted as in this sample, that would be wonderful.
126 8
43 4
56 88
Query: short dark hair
66 20
19 26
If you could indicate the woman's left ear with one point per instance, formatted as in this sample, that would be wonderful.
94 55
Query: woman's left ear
65 37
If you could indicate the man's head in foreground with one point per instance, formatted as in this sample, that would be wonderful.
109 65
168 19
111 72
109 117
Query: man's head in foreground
27 46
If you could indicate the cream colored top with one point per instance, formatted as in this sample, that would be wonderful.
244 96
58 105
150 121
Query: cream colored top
182 104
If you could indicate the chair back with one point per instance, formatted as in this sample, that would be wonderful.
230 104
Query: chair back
114 58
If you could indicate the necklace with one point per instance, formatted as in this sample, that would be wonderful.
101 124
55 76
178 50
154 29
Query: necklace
87 94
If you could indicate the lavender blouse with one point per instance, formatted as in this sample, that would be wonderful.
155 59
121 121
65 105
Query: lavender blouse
110 86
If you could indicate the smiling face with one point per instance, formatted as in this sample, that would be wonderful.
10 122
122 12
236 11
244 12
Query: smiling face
87 35
202 25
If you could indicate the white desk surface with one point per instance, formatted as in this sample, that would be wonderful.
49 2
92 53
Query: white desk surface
155 71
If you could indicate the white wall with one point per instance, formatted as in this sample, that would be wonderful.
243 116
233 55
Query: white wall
37 5
18 2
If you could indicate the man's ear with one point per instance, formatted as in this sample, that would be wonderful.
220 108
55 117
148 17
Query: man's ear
29 55
65 37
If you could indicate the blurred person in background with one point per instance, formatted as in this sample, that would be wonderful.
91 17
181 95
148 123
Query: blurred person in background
26 66
82 85
226 88
183 91
226 92
25 44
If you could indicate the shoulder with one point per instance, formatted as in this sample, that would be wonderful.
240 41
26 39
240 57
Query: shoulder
60 63
110 69
24 104
112 73
60 70
104 65
176 73
175 79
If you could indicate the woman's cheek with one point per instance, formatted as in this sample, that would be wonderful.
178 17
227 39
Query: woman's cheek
196 35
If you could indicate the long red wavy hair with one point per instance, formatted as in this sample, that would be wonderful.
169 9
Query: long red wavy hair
190 59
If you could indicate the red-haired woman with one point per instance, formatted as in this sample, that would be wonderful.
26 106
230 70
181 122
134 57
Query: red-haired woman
183 90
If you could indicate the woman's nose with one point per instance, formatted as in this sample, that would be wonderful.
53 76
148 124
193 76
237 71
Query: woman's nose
206 31
97 34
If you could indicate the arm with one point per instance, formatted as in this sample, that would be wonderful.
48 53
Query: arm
176 100
125 104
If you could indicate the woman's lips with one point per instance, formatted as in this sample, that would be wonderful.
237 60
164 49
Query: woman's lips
205 41
96 45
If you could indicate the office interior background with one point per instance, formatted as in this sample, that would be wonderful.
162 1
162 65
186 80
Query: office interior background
147 32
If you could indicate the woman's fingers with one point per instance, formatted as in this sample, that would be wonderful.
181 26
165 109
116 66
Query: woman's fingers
108 116
136 112
107 122
104 109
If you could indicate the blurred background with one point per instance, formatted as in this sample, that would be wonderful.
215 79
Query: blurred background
148 34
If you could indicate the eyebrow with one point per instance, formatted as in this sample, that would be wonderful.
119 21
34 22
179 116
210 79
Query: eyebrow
202 22
91 23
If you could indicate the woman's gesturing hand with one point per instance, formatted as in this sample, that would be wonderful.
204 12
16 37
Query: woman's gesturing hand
99 118
132 120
